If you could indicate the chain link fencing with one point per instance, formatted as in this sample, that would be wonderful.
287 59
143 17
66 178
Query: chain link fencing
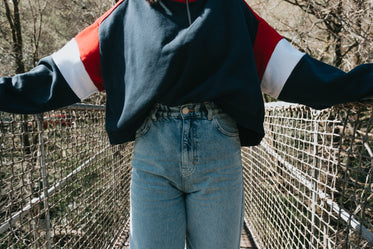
309 183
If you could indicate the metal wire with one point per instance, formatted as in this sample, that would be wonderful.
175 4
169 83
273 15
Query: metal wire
309 184
188 12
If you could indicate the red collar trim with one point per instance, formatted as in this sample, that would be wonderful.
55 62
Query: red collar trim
184 1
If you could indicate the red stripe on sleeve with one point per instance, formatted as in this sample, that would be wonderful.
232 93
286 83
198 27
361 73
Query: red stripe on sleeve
89 49
265 43
88 43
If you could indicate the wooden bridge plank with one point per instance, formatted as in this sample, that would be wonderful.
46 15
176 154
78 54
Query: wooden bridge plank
246 240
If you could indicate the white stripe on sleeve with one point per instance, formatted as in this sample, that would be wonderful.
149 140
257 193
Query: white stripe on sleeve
281 64
69 63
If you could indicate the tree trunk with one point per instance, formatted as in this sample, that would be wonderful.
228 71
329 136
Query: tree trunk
338 37
15 26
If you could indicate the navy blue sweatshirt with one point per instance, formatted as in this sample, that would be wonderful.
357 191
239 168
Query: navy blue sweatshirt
142 55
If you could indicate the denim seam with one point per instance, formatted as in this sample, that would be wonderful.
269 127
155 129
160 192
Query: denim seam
242 209
222 130
189 244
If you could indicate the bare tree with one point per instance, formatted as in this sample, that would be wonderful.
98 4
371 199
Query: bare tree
13 16
37 10
338 32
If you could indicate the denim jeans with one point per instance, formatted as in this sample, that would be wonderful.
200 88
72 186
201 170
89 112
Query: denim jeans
186 186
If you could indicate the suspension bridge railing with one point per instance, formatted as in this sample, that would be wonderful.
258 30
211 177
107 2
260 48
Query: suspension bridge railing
308 185
62 185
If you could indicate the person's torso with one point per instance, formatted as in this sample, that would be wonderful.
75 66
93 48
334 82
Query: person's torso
152 54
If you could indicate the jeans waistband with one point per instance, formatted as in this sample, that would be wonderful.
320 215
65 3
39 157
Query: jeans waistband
191 110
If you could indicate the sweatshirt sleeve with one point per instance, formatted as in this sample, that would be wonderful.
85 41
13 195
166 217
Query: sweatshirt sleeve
290 75
68 76
41 89
319 85
79 62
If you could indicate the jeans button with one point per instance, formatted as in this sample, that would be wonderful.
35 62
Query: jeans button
185 110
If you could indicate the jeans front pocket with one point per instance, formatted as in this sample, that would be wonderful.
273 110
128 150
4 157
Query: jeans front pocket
225 125
144 128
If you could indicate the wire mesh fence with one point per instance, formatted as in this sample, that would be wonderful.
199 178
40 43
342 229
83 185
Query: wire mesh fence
309 183
62 184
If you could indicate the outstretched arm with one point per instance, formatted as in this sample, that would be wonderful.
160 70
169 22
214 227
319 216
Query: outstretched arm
292 76
68 76
319 85
41 89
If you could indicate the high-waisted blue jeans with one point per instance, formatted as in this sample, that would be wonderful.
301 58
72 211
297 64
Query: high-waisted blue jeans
187 180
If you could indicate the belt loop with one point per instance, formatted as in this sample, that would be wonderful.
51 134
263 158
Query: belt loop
209 110
154 112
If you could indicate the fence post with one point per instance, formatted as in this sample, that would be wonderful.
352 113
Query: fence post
45 177
315 172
